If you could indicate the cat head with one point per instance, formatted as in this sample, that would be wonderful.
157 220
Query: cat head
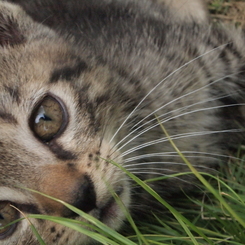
50 134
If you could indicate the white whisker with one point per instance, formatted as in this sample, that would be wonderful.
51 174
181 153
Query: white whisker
162 163
177 116
152 173
174 154
185 95
167 113
147 169
155 87
148 163
174 137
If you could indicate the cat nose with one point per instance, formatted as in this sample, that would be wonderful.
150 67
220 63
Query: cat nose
74 188
85 197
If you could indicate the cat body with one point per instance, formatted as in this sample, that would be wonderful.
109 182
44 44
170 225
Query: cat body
85 81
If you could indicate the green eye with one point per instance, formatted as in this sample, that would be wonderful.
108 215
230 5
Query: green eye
7 214
49 119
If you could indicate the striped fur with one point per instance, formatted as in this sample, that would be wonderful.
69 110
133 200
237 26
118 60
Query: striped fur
110 69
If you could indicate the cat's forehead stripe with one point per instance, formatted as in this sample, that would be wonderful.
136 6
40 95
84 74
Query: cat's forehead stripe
8 118
13 92
68 72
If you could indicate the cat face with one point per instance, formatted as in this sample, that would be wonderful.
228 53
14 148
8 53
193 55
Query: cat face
76 99
48 143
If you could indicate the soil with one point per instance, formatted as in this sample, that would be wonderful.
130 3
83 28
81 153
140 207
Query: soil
232 11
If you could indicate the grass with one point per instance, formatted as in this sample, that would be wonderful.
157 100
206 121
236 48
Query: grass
215 217
231 11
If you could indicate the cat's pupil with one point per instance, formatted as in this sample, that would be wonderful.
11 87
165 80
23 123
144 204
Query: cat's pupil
42 116
46 118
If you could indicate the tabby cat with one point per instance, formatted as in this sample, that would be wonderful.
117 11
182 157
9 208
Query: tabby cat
88 84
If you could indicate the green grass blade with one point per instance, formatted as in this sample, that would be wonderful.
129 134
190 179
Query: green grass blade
107 230
202 180
181 219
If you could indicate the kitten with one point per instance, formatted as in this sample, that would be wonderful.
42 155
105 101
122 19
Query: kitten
82 81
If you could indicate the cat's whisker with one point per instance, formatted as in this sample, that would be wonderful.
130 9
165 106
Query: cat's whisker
150 169
151 163
188 94
169 154
167 170
153 173
166 119
132 131
175 137
168 163
163 80
174 154
161 163
177 116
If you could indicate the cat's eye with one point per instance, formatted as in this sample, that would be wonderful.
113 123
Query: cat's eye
7 215
48 119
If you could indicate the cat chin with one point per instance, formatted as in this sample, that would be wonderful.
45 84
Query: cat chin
111 214
112 207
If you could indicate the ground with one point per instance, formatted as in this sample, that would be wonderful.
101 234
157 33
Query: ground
228 11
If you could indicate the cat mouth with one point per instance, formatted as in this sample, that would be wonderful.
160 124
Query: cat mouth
110 209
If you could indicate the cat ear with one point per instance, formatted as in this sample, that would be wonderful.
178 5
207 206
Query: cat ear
10 33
